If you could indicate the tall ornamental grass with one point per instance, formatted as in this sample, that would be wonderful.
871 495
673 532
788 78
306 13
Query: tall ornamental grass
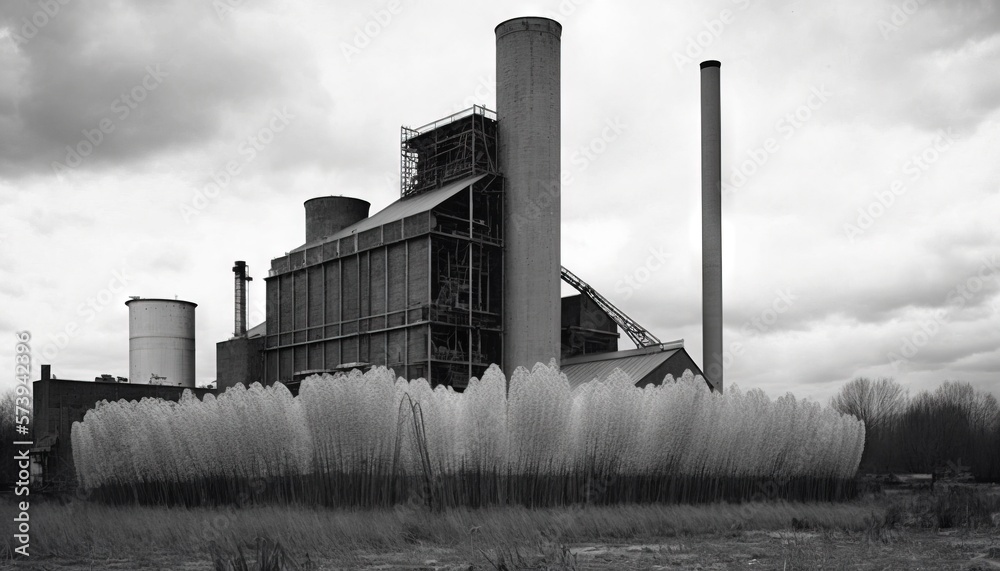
370 439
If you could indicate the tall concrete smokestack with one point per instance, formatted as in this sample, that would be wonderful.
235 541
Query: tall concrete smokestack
711 223
528 123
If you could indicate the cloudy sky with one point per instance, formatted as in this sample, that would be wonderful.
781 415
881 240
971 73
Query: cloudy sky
860 146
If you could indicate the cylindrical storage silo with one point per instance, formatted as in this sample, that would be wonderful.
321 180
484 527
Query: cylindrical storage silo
161 342
528 109
327 215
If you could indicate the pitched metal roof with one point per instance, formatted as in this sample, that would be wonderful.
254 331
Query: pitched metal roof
407 206
636 363
258 330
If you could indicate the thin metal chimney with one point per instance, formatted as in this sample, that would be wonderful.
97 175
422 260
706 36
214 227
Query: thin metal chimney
711 223
528 108
240 269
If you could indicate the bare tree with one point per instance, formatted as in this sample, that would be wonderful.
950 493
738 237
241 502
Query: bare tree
880 404
875 402
980 408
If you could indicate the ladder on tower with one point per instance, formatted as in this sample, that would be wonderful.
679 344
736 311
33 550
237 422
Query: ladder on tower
637 333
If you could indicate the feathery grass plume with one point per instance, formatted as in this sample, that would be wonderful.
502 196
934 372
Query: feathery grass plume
552 409
383 409
520 421
483 421
83 450
405 451
622 421
425 415
453 437
371 440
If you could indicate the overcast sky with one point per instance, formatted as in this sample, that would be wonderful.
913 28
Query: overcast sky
860 147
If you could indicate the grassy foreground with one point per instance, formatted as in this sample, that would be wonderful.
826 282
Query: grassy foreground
90 530
895 532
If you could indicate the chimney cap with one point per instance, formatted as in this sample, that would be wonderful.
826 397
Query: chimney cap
338 199
711 63
531 23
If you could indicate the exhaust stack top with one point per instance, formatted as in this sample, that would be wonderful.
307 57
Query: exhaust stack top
711 223
327 215
528 108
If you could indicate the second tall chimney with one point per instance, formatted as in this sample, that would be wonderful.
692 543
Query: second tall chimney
240 271
711 223
528 109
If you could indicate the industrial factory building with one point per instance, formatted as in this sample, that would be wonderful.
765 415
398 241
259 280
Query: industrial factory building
462 271
417 287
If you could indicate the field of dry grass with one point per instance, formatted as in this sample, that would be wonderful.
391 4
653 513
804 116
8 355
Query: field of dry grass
894 531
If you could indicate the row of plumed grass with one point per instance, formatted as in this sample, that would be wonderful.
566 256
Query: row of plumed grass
374 441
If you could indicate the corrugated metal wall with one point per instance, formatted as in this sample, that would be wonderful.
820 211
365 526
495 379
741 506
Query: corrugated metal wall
339 311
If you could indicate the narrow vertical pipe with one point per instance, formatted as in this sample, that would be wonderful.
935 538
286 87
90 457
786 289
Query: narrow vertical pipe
241 278
711 223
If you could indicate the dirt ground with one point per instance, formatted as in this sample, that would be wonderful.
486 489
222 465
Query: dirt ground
752 550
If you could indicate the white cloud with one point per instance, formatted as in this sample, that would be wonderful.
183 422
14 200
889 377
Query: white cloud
63 237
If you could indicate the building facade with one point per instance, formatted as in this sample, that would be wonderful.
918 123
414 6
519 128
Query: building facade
58 403
418 286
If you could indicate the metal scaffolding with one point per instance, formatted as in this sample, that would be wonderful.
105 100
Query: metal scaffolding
460 145
466 285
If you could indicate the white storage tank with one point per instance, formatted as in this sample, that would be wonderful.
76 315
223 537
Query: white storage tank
161 342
